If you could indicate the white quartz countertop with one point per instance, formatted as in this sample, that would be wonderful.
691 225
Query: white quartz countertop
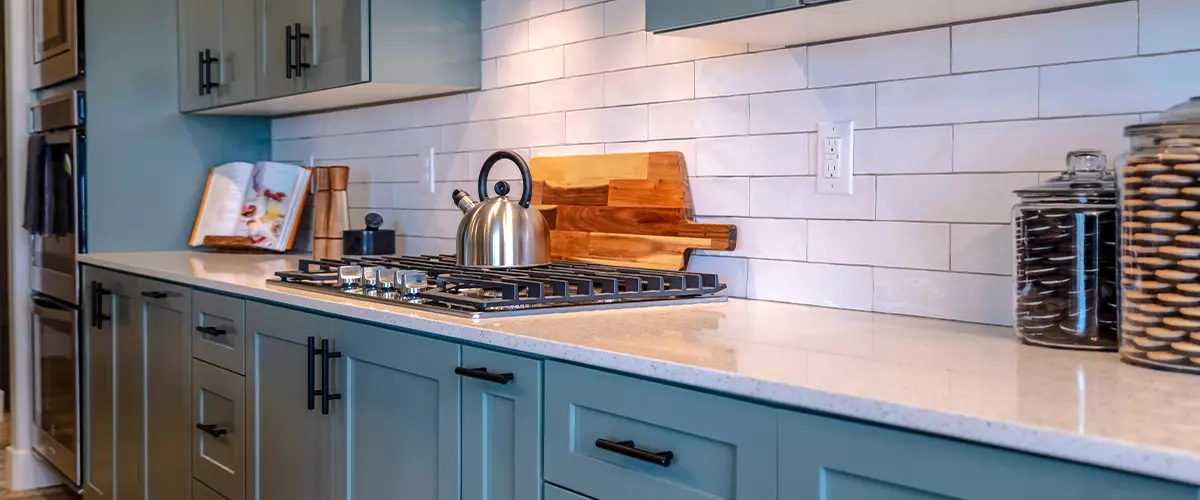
962 380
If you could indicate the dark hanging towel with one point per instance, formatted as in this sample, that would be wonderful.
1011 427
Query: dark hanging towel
38 199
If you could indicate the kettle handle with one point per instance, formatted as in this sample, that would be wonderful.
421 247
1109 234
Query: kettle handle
526 177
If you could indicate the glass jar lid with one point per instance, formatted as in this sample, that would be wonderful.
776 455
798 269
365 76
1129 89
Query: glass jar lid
1087 178
1182 119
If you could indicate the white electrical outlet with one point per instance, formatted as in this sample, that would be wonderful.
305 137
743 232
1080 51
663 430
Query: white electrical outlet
429 176
835 158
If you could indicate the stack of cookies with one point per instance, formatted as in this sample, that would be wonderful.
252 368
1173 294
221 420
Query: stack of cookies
1160 256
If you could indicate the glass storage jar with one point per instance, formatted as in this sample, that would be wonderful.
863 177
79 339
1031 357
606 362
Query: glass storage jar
1066 257
1160 241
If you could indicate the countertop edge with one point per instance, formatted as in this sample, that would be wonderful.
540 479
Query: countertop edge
1118 455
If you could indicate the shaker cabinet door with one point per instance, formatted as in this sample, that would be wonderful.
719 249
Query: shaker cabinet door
501 426
276 75
237 75
289 440
165 313
112 396
199 31
335 48
397 421
831 459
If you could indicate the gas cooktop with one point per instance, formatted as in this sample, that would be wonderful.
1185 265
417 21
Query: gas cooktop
437 283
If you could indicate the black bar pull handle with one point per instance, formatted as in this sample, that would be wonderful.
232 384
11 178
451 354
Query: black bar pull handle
300 64
211 330
312 391
94 292
630 449
155 295
484 374
98 293
212 430
326 393
200 72
287 44
209 84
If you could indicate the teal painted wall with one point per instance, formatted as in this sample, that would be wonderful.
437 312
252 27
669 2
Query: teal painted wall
146 162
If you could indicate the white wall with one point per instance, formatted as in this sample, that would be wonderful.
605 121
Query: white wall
950 121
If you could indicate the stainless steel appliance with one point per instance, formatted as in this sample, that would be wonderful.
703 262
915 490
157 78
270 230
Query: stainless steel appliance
57 42
439 284
498 232
56 334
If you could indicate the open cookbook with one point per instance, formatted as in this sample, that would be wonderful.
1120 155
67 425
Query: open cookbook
261 201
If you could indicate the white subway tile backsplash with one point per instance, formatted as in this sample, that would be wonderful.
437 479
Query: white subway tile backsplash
498 103
506 40
606 54
721 196
958 296
799 111
758 155
731 271
607 125
796 197
565 27
845 287
774 70
889 244
889 57
926 231
1134 85
780 239
566 94
700 118
666 49
950 197
999 95
1036 145
1099 32
623 16
529 67
981 248
915 150
1168 25
685 146
653 84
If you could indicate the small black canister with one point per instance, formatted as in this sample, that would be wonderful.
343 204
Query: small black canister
1066 257
369 241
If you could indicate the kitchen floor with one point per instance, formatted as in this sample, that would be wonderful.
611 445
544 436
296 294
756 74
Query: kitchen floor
55 493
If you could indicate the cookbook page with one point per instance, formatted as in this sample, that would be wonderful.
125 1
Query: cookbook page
222 203
271 201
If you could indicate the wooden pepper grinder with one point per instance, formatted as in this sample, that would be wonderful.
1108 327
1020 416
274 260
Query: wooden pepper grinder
322 203
339 211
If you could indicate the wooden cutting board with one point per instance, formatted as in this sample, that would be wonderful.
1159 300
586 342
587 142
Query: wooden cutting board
623 209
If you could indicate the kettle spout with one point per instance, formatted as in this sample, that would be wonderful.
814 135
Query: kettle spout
463 200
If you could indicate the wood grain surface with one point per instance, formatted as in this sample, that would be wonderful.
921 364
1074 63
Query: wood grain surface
623 209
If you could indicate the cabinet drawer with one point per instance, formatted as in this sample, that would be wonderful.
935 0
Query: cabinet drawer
202 492
552 492
603 432
218 420
219 330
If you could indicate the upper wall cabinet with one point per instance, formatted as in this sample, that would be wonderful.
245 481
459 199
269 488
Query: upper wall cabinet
796 22
308 55
216 53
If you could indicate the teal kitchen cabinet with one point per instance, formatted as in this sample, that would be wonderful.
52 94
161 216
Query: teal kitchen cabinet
216 53
555 493
667 15
324 54
165 311
393 413
615 437
288 438
501 426
830 459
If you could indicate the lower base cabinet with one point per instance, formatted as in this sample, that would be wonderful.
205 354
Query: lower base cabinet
831 459
553 492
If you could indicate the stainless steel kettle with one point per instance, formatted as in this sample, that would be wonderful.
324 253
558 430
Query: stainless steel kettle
500 232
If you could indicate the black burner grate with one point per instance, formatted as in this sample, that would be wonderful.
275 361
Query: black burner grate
554 284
